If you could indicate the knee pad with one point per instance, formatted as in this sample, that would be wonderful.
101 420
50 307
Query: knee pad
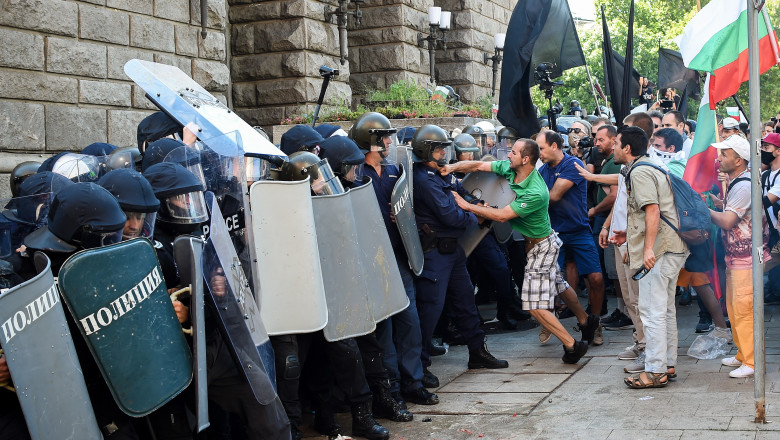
292 367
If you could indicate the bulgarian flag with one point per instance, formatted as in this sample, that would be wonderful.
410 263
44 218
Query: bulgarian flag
701 170
716 41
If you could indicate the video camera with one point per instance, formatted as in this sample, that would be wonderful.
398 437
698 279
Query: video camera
327 72
543 76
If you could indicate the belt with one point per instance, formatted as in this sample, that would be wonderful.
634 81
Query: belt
531 242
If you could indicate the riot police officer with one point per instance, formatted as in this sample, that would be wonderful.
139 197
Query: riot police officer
136 197
444 276
300 138
21 172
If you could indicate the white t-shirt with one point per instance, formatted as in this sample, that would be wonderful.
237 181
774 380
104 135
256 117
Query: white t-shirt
774 188
620 209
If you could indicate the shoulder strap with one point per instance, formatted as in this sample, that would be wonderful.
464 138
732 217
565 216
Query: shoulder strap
663 217
735 181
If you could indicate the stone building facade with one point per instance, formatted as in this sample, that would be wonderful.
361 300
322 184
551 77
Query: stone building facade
62 84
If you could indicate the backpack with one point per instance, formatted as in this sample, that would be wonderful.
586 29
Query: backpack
693 213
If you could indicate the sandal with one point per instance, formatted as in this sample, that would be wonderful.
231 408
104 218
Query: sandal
671 372
657 380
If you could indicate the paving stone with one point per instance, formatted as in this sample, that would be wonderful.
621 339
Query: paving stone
638 434
718 435
477 403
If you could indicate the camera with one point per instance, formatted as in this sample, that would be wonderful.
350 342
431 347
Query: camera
586 142
543 75
326 71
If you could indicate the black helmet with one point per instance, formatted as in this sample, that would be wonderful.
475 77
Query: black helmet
137 199
343 155
508 133
180 194
299 138
465 143
369 131
125 157
426 140
20 173
31 205
99 149
157 126
82 215
304 165
158 150
477 133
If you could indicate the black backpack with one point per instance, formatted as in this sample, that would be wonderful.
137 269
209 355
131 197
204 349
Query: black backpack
693 213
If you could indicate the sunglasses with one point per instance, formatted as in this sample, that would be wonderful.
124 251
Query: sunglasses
574 130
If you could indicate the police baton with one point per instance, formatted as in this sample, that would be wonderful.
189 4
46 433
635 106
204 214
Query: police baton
327 74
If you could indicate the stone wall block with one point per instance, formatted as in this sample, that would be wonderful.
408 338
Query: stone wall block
21 50
213 47
140 100
255 12
22 125
33 86
50 16
299 8
75 57
123 126
454 73
184 64
322 37
211 75
242 39
259 67
217 14
145 7
294 64
287 91
244 95
367 37
118 56
73 128
149 33
103 24
262 115
280 36
187 38
381 58
382 16
104 93
176 10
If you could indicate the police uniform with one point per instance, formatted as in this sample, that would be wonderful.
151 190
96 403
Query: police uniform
444 274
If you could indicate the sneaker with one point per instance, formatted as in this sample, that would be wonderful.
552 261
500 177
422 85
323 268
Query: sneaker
771 299
743 371
731 362
705 324
576 353
589 328
598 339
723 333
544 335
616 314
637 366
685 299
630 353
623 322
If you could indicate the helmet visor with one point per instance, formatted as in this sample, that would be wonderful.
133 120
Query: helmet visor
480 138
78 167
122 158
326 182
382 139
256 169
139 224
501 151
185 208
95 239
189 158
350 173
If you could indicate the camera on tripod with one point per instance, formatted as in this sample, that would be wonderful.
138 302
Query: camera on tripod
543 76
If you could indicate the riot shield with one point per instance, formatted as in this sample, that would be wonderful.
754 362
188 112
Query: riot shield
186 101
187 252
493 190
343 276
43 363
288 277
384 287
239 286
224 303
401 202
503 231
121 306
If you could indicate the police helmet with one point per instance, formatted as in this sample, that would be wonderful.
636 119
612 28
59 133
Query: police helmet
486 127
78 167
125 157
427 140
304 165
343 155
370 130
477 133
507 133
82 215
157 126
20 173
180 194
328 130
465 143
136 197
300 138
99 149
31 204
158 150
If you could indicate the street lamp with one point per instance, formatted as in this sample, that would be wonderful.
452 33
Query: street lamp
439 22
342 12
498 42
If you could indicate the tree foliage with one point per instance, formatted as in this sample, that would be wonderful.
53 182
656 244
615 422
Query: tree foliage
656 23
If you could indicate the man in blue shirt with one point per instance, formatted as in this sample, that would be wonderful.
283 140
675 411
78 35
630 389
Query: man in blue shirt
569 216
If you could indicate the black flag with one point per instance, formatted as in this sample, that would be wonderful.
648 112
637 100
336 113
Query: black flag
615 73
673 73
515 107
627 80
558 43
619 65
610 75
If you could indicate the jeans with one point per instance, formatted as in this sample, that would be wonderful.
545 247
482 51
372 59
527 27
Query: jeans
658 313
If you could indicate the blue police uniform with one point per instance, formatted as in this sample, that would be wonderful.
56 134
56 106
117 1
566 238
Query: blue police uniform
444 275
400 336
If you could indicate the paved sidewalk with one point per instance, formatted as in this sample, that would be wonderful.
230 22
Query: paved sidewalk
539 397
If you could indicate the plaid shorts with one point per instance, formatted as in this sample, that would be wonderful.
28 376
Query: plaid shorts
543 279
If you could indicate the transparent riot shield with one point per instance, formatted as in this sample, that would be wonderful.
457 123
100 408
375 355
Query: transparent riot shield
384 287
401 201
232 319
493 190
288 279
121 306
24 215
188 253
42 361
349 313
186 101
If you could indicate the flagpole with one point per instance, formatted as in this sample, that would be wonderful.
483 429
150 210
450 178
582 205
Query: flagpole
772 39
593 89
756 206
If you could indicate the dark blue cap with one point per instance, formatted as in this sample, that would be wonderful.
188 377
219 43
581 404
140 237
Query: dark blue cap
341 150
299 136
158 150
405 134
157 126
171 179
326 130
99 149
131 189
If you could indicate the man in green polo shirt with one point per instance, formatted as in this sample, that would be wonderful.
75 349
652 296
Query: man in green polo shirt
528 215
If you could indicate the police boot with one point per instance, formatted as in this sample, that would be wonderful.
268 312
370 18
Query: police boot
481 358
386 407
364 425
325 422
